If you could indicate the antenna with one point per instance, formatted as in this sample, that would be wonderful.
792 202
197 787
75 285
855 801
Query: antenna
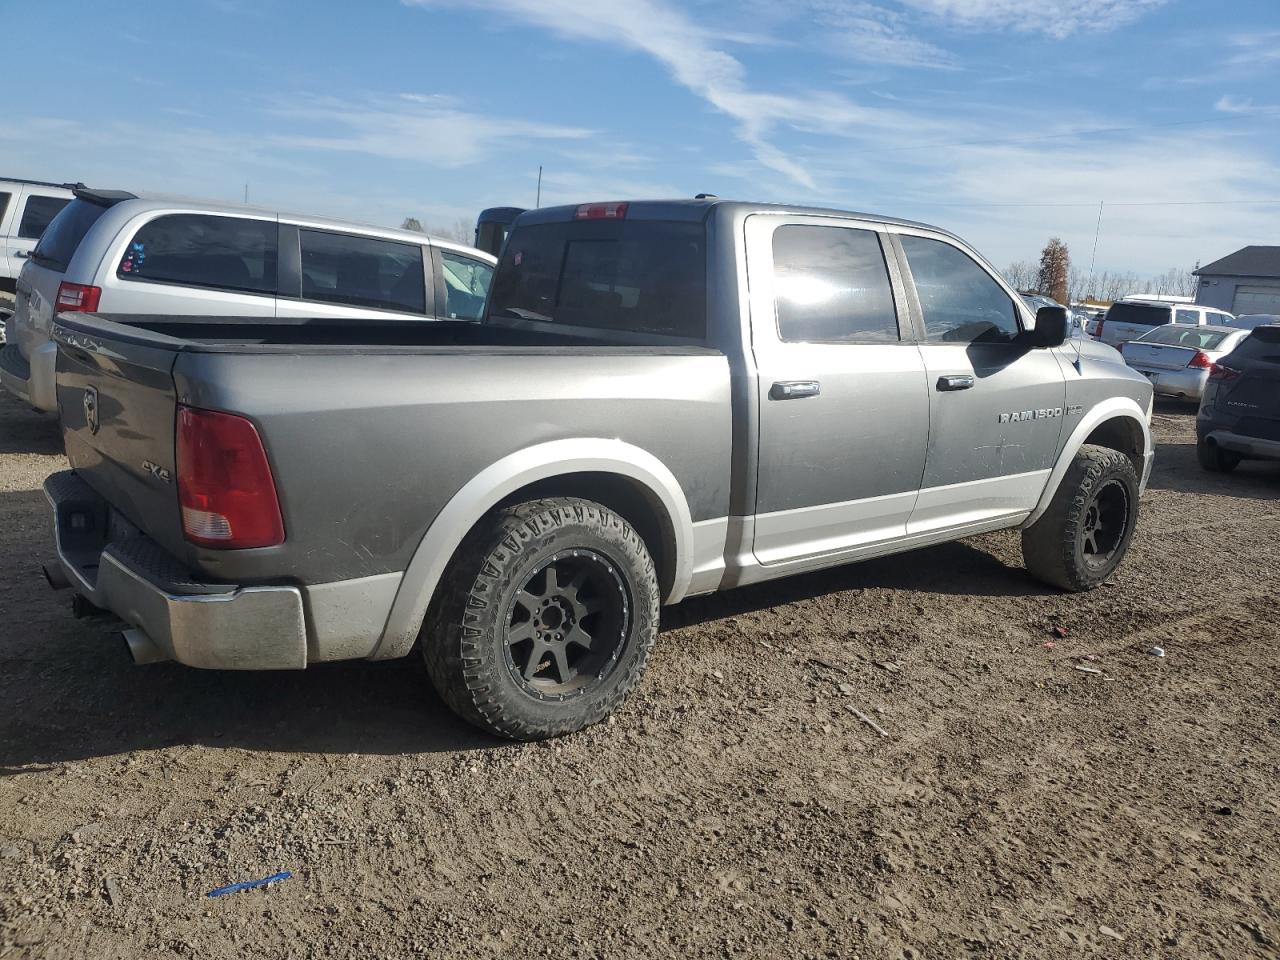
538 202
246 193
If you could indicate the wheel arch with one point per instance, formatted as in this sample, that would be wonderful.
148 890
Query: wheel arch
1118 423
622 476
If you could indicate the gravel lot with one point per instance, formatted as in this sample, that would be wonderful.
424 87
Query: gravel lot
1019 807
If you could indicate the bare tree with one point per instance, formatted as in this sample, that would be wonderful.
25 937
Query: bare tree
461 231
1021 275
412 223
1055 264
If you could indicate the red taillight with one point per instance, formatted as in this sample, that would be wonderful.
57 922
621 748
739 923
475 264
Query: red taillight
1200 361
77 298
225 486
601 211
1097 331
1218 372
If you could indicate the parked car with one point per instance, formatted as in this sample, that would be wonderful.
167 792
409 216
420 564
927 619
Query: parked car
120 253
1239 416
1177 357
1129 319
26 207
1250 320
1036 300
664 399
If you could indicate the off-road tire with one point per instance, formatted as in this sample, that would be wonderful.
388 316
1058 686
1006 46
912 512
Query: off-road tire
464 636
1214 459
1053 547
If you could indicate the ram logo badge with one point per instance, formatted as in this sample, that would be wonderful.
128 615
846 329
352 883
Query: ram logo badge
91 409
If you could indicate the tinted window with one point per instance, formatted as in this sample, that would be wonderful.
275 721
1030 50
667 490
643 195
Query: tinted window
1263 345
1180 336
59 241
960 301
39 213
225 253
831 285
642 276
1142 314
362 271
1188 316
466 282
4 204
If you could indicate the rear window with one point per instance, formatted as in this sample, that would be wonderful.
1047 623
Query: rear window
1180 336
637 276
4 204
466 282
198 250
1262 345
1140 314
38 214
60 239
362 271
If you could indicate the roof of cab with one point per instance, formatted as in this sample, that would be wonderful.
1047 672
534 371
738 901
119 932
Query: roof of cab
697 208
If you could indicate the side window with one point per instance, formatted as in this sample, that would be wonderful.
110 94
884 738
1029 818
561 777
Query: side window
362 271
199 250
39 211
466 284
4 205
1188 316
831 285
960 301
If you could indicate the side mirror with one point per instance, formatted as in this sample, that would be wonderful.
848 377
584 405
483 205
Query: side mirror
1052 327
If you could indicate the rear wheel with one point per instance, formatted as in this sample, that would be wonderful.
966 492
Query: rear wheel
1214 459
544 620
1085 533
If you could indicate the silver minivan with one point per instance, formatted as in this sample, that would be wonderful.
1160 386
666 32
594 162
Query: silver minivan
1132 318
114 252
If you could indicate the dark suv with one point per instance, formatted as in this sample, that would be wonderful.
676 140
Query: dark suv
1239 416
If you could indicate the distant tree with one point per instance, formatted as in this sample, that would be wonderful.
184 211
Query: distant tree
462 230
1055 266
412 223
1021 275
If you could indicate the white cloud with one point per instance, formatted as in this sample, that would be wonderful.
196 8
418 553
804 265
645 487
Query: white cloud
419 127
1054 18
874 34
1229 104
1255 48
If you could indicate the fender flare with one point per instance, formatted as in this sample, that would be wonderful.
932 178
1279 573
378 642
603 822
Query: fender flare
492 484
1110 409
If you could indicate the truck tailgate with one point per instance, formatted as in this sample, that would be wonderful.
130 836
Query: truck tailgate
116 400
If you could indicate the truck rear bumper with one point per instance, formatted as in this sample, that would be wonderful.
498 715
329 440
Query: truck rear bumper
1258 447
214 626
31 378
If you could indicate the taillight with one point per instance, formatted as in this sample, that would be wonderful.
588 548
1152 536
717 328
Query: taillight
77 298
1218 372
1097 331
225 486
601 211
1200 361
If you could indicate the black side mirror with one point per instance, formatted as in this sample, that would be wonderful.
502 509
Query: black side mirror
1052 327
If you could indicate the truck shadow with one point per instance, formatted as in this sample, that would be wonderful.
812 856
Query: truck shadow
1177 469
23 430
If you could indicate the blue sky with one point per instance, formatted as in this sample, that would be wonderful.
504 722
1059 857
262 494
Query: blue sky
1004 120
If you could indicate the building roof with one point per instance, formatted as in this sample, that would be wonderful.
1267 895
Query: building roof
1246 262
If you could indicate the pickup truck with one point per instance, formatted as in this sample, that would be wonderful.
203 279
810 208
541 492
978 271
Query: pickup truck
662 399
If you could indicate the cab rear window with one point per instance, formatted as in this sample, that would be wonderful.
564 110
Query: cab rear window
638 276
1141 314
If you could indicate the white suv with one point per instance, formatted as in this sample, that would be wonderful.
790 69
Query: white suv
1130 319
114 252
26 207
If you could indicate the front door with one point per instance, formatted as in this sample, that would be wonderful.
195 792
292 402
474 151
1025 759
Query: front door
843 400
997 405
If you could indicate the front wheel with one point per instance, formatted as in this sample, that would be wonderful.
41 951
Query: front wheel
1085 533
544 620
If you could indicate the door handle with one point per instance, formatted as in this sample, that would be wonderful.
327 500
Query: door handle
20 254
961 381
794 389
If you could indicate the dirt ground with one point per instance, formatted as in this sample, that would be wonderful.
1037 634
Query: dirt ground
736 806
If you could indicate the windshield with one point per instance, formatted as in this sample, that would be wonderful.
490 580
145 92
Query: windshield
1180 335
63 235
642 276
1142 314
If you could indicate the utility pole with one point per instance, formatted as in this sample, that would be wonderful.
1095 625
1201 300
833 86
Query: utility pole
246 194
538 202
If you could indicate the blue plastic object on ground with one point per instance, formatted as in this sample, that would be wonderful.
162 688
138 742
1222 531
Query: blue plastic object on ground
250 884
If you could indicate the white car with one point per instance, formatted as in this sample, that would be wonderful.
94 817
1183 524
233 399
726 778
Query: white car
114 252
26 208
1133 318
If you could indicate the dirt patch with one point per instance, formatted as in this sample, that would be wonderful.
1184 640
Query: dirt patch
738 805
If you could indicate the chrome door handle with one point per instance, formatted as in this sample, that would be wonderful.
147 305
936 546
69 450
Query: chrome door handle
794 389
955 382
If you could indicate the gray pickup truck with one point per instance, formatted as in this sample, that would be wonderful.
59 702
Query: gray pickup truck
664 399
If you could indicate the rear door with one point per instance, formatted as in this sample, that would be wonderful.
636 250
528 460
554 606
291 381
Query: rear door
33 211
996 404
844 407
329 273
1129 321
